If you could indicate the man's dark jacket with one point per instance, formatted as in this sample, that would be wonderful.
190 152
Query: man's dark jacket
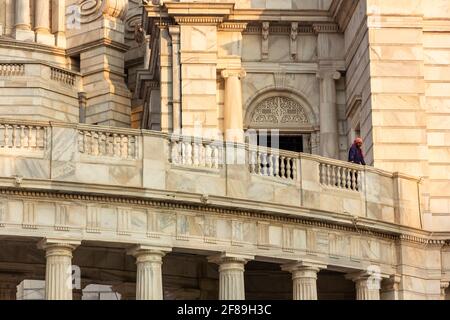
355 155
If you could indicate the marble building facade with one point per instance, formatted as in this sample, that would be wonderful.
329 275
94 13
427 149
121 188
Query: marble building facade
132 149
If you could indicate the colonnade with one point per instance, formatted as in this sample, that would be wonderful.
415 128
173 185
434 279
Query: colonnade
149 279
48 21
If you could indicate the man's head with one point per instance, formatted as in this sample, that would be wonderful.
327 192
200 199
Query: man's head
359 142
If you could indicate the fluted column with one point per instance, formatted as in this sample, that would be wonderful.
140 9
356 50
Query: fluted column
233 122
23 21
329 134
59 22
304 279
231 275
367 285
42 22
58 271
149 272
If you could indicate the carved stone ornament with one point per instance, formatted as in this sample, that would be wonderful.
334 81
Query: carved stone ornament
279 111
91 10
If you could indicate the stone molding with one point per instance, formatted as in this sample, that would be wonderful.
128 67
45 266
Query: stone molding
91 10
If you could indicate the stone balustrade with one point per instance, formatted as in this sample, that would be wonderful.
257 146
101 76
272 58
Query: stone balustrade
100 143
346 177
273 163
20 136
63 76
205 169
196 152
12 69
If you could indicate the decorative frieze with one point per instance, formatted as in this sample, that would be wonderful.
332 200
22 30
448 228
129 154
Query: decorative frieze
203 20
61 217
29 215
93 219
123 221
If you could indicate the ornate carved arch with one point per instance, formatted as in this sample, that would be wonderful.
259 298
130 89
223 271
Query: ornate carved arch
280 109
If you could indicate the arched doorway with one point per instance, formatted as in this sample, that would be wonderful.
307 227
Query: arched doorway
281 119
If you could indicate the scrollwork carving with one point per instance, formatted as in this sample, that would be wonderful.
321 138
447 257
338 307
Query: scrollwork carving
91 10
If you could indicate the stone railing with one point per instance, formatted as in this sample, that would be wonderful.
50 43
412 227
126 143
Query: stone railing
12 69
20 136
346 177
40 69
63 76
204 169
196 152
100 143
273 163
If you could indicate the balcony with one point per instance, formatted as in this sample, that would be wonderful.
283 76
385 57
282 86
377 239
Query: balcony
152 165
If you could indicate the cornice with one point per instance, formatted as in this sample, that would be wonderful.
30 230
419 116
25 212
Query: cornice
98 43
6 42
174 201
342 11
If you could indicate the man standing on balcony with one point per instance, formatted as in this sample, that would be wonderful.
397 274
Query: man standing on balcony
355 154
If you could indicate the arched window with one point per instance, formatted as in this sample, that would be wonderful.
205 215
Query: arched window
280 119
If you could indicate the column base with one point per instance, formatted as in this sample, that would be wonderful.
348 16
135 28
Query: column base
45 38
24 35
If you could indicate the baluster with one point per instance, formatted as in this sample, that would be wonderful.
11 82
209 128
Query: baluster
195 151
14 136
6 135
264 162
333 176
2 136
81 144
183 152
294 169
276 166
270 164
116 145
338 177
124 146
208 154
31 141
282 167
288 168
258 162
189 153
174 152
252 162
348 179
215 156
354 179
23 137
328 174
95 143
102 144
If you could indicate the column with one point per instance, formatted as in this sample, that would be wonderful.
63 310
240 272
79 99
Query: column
59 22
367 285
58 271
231 275
233 122
174 32
304 279
329 134
42 22
149 271
23 21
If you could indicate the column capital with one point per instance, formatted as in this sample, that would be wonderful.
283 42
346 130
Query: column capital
141 250
227 257
240 73
303 265
373 274
54 243
328 74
